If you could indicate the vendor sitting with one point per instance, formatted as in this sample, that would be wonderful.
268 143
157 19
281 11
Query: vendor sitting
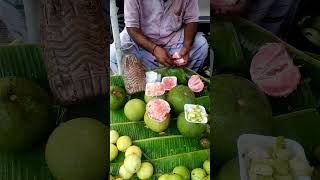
157 29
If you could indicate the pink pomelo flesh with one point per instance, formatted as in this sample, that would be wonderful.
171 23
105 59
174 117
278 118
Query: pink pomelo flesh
273 70
169 83
179 60
155 89
195 83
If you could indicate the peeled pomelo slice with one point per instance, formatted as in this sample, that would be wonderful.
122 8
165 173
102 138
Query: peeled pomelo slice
169 82
273 71
195 83
158 109
154 89
179 60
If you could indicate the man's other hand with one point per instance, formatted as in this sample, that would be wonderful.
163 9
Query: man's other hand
162 56
184 52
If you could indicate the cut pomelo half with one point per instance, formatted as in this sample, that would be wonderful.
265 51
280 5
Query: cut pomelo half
273 71
169 82
195 83
158 109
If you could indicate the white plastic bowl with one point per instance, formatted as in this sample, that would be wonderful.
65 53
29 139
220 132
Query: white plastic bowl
188 106
247 141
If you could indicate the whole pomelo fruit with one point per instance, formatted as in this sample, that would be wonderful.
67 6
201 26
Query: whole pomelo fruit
76 150
164 177
179 96
118 97
206 166
198 174
239 108
113 152
132 163
174 177
189 129
230 171
182 171
135 109
145 171
24 114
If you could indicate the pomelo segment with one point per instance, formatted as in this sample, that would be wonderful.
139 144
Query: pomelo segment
179 60
195 83
169 82
273 71
155 89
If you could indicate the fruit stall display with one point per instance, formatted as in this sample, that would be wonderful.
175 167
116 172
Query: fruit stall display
150 136
262 86
37 134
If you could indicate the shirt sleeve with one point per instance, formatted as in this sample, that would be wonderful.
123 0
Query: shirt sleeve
191 12
131 13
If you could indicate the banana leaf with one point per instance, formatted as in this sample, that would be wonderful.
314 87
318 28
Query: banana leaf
301 98
228 54
157 147
163 165
252 37
138 130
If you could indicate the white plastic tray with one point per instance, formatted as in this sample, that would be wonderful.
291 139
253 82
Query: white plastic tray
171 77
247 141
187 106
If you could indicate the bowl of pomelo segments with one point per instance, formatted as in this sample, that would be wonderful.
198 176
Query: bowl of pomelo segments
248 141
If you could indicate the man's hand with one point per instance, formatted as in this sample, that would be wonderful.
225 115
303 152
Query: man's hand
184 52
162 56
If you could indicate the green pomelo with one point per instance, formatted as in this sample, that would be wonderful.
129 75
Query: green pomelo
182 171
148 98
156 126
76 150
174 177
118 97
206 166
198 174
113 152
145 171
135 109
239 108
24 114
189 129
179 96
230 171
164 177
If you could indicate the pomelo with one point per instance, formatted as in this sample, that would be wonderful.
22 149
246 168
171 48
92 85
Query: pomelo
123 143
114 135
189 129
239 108
132 163
273 70
145 171
174 177
182 171
230 171
24 114
76 150
164 177
198 174
179 96
135 109
133 150
206 166
124 174
118 97
157 126
157 116
113 152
